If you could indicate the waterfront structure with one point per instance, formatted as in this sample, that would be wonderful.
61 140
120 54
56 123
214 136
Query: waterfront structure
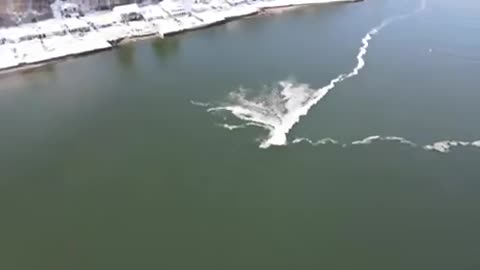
72 34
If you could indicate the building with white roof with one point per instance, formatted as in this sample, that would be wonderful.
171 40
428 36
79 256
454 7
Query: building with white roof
108 25
129 12
131 15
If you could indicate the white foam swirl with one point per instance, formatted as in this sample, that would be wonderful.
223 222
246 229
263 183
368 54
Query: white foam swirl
281 108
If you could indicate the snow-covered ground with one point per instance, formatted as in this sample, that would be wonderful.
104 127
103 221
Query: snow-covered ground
8 57
232 9
56 38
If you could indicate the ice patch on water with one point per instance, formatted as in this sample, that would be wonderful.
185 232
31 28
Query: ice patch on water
367 140
319 142
231 127
200 104
440 146
445 146
400 140
372 139
281 108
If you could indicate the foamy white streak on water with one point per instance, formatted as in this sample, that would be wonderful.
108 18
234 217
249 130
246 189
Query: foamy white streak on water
200 104
231 127
441 146
280 109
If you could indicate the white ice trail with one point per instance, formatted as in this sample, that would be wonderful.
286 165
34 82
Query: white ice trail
283 107
231 127
440 146
200 104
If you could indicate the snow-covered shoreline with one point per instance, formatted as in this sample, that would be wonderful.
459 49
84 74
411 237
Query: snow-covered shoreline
35 44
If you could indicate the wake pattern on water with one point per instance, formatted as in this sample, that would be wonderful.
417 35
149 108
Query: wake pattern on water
281 107
440 146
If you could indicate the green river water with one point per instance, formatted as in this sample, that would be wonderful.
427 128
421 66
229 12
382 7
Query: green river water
107 163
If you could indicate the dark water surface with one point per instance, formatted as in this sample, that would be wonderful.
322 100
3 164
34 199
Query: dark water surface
106 164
